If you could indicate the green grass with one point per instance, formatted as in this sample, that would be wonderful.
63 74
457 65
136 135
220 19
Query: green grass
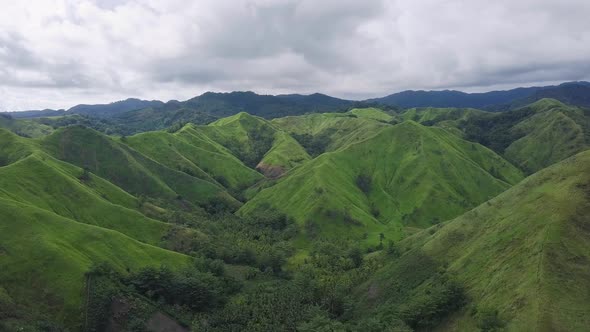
44 258
371 113
285 154
39 180
437 115
127 168
418 175
191 151
27 128
335 130
524 253
553 133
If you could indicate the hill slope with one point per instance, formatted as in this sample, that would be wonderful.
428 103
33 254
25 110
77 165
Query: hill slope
31 177
323 132
534 136
407 174
127 168
257 142
524 253
44 258
192 151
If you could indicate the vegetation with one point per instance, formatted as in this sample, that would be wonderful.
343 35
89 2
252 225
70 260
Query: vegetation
431 182
361 219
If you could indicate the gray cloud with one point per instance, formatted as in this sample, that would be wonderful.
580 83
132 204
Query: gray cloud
57 53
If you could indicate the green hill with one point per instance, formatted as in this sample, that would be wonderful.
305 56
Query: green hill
534 136
524 253
406 174
32 177
431 115
371 113
127 168
257 143
554 132
191 151
44 258
323 132
26 128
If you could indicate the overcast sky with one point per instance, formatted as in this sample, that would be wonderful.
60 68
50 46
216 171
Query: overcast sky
55 54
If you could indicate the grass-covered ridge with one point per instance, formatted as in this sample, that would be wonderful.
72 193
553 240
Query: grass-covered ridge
44 258
407 175
524 253
39 180
127 168
365 220
323 132
191 151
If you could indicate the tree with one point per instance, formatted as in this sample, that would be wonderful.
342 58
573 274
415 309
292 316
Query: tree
356 255
85 176
363 182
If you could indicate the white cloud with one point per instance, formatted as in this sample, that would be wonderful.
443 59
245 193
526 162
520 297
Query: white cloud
57 53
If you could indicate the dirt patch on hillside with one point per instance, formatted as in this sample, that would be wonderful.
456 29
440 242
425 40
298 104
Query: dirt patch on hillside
270 171
159 322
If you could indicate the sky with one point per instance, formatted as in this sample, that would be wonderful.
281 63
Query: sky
59 53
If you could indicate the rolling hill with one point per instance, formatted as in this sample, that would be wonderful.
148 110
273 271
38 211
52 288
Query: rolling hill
534 136
360 220
30 176
192 151
129 169
44 259
323 132
26 128
405 175
524 253
257 142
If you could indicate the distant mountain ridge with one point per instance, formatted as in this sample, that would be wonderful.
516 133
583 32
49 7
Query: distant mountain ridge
134 115
575 93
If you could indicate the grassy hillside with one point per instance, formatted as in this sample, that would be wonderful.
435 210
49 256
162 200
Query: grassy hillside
127 168
371 113
407 175
26 128
257 143
330 131
44 258
524 253
554 132
31 177
191 151
284 154
534 136
432 115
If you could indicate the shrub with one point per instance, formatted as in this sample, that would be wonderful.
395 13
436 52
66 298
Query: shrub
363 182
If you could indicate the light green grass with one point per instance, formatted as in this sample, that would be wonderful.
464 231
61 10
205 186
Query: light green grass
371 113
127 168
191 151
337 129
553 133
44 258
28 128
40 180
419 175
524 252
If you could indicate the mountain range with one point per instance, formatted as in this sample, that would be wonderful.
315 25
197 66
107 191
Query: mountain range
241 212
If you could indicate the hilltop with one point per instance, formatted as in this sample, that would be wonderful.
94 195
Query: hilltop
405 175
523 253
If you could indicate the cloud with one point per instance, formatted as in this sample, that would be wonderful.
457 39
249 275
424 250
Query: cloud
56 53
